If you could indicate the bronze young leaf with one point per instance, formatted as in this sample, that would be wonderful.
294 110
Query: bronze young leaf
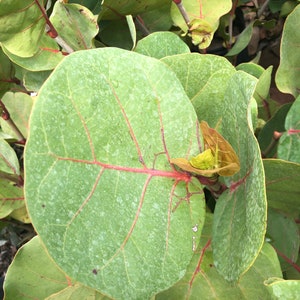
218 158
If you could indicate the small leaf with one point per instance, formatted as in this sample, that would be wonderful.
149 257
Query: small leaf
208 11
245 36
201 33
75 24
205 163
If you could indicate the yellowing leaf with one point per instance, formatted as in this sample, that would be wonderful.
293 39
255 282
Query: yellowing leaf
221 159
204 161
201 33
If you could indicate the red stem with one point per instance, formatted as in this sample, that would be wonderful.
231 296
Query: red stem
198 267
52 31
288 260
6 116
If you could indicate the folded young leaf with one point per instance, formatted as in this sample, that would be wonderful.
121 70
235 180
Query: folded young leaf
221 159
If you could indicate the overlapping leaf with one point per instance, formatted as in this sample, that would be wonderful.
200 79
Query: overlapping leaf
75 24
22 26
289 142
222 95
161 44
288 73
98 177
202 281
283 185
112 9
33 274
204 18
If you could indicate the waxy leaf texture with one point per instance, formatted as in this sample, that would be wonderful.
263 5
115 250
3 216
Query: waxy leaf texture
111 210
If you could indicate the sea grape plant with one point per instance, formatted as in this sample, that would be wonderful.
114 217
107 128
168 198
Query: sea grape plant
144 177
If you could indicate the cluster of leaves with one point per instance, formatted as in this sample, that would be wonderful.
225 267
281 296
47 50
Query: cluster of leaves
115 215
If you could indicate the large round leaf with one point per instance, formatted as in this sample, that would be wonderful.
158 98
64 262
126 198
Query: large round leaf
100 190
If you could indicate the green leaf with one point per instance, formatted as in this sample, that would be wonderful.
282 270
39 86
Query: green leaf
161 44
116 33
93 5
158 19
22 26
202 281
283 185
46 57
11 196
34 275
283 289
112 9
288 74
222 95
261 95
289 142
241 211
132 29
245 36
75 24
8 159
266 139
98 177
7 73
275 5
34 80
19 106
209 11
284 235
204 78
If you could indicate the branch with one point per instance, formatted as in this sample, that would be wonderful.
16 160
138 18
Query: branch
182 11
51 31
6 117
